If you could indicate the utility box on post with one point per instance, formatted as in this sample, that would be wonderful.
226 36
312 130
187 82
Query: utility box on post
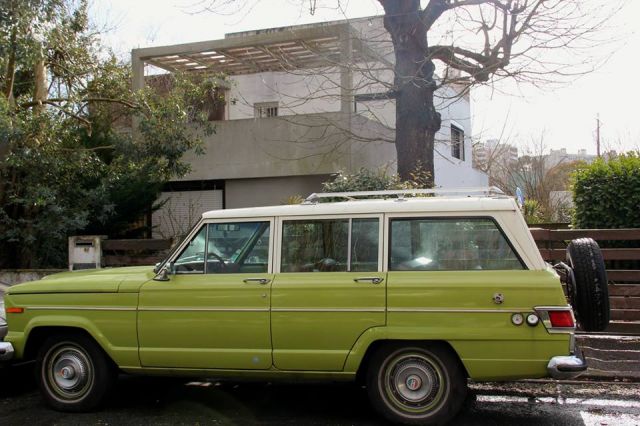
84 252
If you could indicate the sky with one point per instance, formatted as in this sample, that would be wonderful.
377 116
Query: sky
523 115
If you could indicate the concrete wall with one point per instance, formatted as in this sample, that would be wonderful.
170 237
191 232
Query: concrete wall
312 144
270 191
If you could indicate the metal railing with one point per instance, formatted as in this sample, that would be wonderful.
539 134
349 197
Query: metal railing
401 193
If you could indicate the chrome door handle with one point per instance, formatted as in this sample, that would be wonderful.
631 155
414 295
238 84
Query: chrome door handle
372 280
262 281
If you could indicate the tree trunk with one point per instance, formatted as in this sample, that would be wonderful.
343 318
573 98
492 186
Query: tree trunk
40 87
10 73
416 118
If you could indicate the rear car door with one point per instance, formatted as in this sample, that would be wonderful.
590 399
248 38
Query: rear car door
330 288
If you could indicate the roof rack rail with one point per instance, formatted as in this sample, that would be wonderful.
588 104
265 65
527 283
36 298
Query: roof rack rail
400 193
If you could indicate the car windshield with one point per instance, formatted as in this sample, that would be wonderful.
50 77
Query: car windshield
173 249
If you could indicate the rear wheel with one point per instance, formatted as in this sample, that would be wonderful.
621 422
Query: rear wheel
416 385
74 373
589 293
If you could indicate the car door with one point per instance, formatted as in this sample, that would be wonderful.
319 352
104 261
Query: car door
328 291
213 312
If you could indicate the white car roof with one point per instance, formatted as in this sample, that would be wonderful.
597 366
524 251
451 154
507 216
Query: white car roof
404 205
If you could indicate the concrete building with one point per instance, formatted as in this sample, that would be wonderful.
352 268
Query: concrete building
302 103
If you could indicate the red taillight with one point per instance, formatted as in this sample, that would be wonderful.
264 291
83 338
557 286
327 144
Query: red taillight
15 310
561 319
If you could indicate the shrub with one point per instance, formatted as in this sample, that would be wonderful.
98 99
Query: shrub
606 193
374 180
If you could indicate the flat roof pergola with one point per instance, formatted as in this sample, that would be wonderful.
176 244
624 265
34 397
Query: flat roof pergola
332 44
280 49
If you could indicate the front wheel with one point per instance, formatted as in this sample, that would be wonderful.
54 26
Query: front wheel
74 373
416 385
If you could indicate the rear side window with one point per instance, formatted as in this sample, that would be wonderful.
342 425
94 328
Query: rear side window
330 245
449 244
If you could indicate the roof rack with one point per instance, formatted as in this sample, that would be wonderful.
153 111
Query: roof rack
401 193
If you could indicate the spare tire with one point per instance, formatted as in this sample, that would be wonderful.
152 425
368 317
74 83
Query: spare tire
590 293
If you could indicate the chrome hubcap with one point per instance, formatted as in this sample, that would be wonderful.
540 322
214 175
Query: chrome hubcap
413 382
69 372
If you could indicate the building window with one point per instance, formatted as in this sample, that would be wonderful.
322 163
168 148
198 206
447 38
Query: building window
457 143
265 109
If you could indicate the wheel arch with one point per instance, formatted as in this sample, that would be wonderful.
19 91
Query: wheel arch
375 345
37 335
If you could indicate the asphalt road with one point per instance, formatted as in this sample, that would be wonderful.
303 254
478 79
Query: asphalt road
152 401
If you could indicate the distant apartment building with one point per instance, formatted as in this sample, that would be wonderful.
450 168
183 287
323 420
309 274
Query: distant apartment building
300 104
560 156
493 152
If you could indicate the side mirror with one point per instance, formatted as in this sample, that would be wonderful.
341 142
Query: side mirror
163 274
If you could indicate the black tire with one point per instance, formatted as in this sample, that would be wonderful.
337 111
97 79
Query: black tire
74 373
435 373
590 293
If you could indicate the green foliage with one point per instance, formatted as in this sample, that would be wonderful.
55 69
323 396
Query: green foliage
533 212
607 193
69 162
374 180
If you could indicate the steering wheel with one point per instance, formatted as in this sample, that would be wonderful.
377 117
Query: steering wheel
218 258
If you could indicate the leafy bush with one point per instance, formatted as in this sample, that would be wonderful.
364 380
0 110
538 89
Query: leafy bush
532 212
374 180
607 193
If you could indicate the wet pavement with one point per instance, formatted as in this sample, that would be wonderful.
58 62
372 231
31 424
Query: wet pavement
153 401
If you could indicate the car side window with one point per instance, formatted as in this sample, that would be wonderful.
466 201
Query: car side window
449 244
237 247
364 245
330 245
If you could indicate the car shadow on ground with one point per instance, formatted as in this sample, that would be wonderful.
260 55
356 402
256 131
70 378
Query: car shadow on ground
169 401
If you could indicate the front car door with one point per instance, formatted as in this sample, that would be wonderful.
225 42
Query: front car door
214 310
329 290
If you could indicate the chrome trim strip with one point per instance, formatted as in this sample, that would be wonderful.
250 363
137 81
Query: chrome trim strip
446 310
543 313
80 308
212 309
327 309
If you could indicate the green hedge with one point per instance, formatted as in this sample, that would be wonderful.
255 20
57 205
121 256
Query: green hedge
606 193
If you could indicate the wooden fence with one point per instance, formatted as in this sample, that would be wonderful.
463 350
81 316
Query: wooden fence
133 252
624 284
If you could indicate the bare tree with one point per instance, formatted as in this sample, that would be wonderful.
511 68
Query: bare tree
469 42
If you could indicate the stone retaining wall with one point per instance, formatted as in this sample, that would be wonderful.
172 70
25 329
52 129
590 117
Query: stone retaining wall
17 276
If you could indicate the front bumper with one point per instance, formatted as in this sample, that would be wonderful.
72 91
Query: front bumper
6 351
566 367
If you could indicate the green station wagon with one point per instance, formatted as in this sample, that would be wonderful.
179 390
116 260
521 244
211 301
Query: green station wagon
413 292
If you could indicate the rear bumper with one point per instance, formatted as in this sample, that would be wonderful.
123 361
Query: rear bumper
6 351
566 367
